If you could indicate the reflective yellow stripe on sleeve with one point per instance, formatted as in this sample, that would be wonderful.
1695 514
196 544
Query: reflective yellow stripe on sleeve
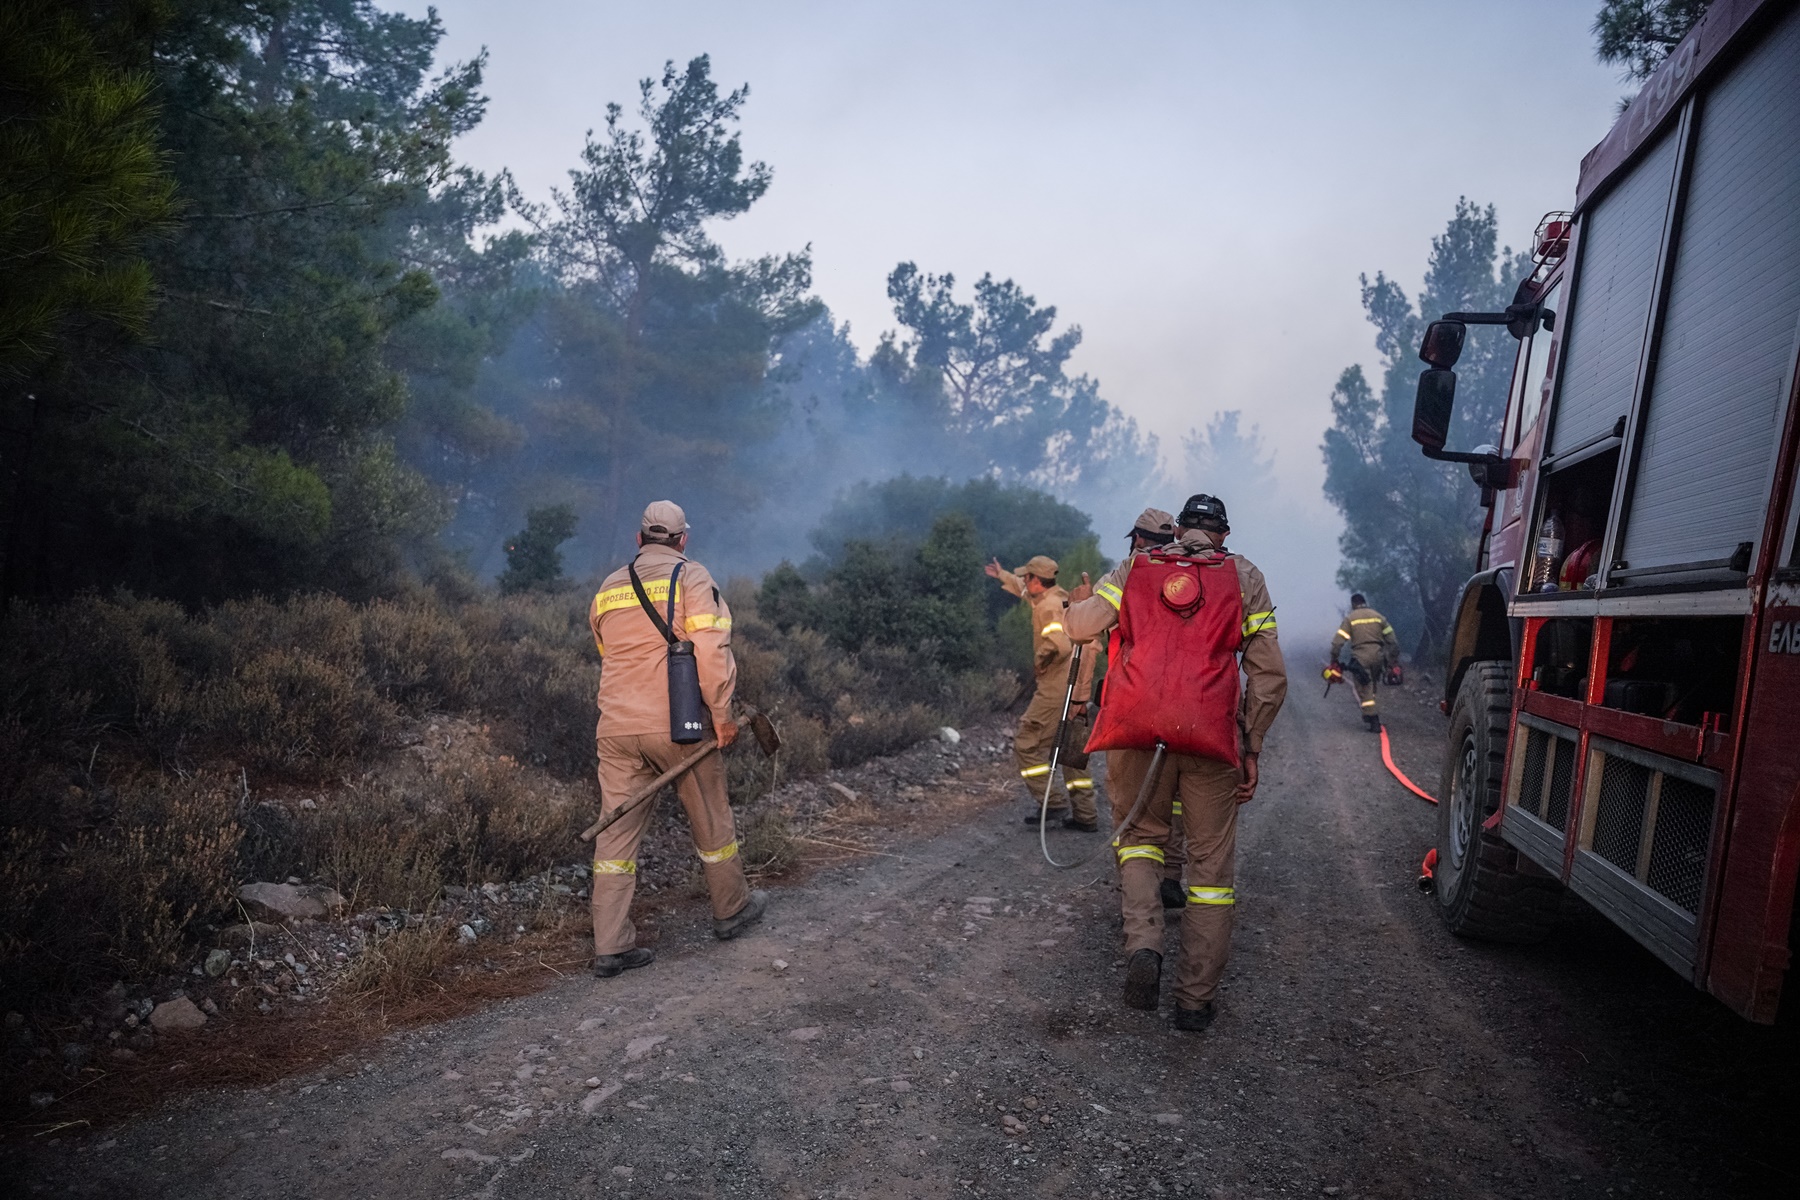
1110 593
1212 895
708 621
729 850
1154 853
1258 622
1052 627
615 866
1387 629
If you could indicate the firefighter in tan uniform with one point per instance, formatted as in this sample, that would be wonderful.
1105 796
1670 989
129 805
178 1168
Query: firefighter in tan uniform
633 740
1035 583
1209 791
1373 651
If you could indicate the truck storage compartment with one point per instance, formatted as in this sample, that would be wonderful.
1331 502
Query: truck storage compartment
1559 664
1675 668
1577 497
1724 360
1620 243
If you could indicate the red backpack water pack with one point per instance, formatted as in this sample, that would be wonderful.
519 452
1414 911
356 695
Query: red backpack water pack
1172 673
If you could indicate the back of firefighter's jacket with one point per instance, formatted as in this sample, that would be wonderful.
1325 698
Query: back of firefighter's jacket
634 680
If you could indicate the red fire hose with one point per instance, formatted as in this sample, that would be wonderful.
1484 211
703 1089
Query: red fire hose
1427 869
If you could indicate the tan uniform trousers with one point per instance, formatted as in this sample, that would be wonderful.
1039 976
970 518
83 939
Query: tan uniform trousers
1031 750
1207 792
627 764
1371 660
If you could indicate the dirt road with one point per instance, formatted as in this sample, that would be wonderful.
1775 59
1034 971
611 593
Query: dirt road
929 992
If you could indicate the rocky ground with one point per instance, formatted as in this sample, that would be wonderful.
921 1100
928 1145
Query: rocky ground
936 1013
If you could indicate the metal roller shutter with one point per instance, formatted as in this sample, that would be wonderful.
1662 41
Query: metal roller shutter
1620 238
1721 377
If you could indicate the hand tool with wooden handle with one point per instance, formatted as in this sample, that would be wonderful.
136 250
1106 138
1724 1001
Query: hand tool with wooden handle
761 728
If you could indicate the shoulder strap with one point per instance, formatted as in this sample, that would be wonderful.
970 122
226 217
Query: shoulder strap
666 628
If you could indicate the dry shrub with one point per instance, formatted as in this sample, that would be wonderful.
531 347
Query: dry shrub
291 712
418 656
768 845
399 965
395 846
117 899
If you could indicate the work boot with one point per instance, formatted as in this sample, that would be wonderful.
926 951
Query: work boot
1193 1020
1036 815
726 928
1172 894
608 965
1080 826
1143 980
1372 723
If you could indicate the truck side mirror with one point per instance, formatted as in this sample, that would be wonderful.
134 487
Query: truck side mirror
1443 343
1432 408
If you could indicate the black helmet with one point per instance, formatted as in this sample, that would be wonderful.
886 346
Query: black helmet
1357 600
1204 512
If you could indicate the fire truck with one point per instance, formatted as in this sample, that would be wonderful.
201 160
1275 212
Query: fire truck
1623 679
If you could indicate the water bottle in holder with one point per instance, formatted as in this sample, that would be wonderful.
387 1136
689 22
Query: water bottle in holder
1548 558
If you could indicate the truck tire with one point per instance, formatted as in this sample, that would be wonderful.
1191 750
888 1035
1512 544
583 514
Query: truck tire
1481 890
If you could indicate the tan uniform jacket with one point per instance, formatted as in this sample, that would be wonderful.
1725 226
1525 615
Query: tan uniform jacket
634 673
1050 645
1366 630
1266 674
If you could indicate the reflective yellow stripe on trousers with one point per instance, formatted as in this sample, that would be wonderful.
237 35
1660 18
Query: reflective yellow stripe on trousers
728 850
1080 783
615 866
1212 895
1034 772
1153 853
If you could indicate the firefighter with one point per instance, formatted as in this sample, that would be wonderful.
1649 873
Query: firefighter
1154 528
1035 583
1373 652
1204 702
633 735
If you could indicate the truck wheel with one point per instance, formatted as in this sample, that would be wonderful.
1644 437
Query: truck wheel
1481 890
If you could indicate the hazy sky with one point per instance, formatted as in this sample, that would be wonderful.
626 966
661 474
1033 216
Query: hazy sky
1197 185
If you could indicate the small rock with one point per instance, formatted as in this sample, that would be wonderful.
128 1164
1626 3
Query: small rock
900 1085
218 962
590 1024
1045 1119
292 900
1167 1118
593 1081
1332 1191
248 935
179 1013
465 934
42 1099
780 964
622 1171
600 1095
638 1048
76 1054
208 1007
308 804
805 1033
949 736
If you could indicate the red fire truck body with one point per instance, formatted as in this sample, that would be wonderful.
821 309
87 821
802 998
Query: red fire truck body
1624 672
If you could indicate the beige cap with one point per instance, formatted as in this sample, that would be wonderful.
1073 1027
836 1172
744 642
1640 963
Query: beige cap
1043 566
664 518
1154 520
